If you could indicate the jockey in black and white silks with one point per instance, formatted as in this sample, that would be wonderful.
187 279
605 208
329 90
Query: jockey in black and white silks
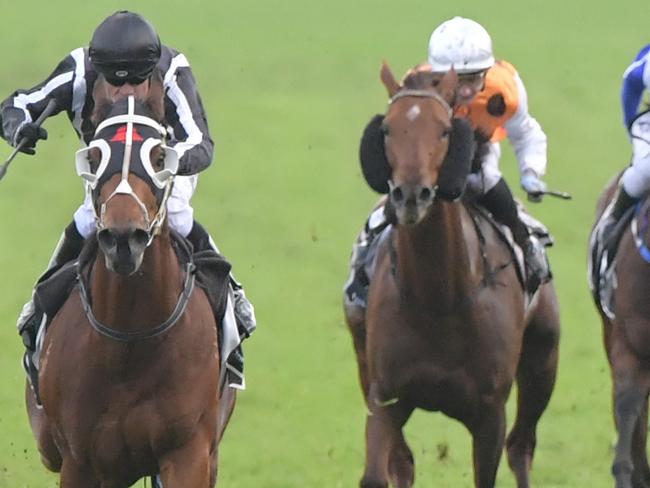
126 52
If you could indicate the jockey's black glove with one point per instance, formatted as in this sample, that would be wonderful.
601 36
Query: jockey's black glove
32 133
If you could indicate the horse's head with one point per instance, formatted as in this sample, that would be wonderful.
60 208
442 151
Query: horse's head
129 172
417 150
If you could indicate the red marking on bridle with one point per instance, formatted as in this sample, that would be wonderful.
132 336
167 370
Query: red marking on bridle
120 135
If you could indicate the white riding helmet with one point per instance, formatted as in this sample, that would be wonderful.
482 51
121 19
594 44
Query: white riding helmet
461 43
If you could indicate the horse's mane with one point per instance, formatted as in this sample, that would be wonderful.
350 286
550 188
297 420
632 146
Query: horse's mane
420 77
154 101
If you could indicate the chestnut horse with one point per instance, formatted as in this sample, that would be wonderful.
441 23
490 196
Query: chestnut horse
130 368
447 326
626 335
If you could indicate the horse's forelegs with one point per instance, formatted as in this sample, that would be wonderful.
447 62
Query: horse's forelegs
488 435
383 433
188 466
535 381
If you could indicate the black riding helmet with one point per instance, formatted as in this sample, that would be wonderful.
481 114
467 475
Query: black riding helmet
125 48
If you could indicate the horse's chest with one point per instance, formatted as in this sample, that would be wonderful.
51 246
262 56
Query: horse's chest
125 438
447 373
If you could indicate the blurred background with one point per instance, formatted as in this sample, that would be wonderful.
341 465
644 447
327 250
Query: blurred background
288 87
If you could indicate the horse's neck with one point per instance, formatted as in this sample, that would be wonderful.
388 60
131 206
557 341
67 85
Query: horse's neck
144 299
434 258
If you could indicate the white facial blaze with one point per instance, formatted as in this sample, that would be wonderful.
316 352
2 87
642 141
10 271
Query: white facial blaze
413 113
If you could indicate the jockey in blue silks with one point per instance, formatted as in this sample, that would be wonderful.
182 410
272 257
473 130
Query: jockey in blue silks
635 182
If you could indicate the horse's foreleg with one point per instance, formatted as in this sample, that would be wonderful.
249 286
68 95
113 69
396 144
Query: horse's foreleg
535 381
641 477
188 466
383 433
74 475
401 466
355 317
488 435
629 400
39 423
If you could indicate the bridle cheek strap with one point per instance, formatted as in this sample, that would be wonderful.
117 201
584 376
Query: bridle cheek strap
154 225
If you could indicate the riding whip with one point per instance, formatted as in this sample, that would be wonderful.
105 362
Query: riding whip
49 108
560 194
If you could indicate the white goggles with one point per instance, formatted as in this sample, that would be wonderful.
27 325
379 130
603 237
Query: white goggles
158 177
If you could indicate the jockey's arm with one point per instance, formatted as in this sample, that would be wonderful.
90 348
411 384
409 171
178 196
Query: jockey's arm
187 119
526 136
636 79
25 106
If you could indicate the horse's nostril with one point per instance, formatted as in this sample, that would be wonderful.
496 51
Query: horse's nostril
397 194
106 239
425 194
139 238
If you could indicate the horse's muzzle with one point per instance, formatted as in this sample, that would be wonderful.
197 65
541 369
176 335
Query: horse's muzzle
123 249
411 201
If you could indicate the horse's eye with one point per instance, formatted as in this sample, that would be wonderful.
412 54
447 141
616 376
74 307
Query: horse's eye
93 161
384 130
159 163
445 133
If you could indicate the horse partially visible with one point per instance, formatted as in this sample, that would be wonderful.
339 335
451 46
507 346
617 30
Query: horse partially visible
626 336
130 369
447 327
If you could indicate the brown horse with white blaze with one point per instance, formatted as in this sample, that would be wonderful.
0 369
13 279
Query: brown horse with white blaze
130 368
447 327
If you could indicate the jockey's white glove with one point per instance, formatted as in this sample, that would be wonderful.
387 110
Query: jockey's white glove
533 185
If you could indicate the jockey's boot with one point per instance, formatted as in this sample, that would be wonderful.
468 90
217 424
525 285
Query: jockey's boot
537 267
356 287
621 202
501 204
243 308
31 317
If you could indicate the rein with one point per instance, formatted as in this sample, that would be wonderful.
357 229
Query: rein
141 335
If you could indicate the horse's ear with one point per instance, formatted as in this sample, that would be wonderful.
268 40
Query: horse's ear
448 85
455 169
156 96
372 156
388 79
